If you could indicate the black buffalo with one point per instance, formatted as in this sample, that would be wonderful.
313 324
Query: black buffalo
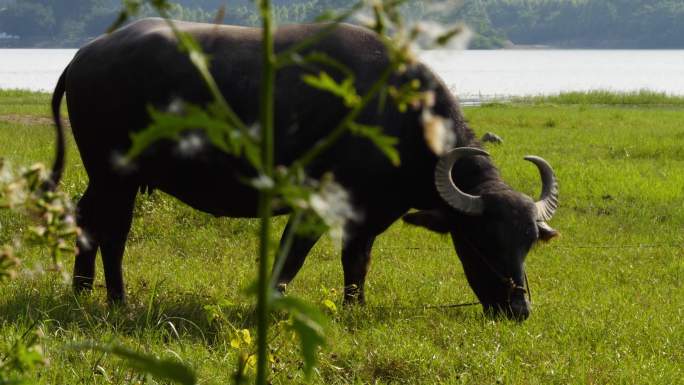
111 82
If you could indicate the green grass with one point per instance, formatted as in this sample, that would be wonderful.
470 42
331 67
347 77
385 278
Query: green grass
602 97
608 303
18 102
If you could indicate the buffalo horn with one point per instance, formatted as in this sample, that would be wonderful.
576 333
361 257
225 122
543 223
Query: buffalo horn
465 203
548 202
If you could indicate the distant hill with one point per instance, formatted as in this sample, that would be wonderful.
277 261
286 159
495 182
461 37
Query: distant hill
590 23
496 23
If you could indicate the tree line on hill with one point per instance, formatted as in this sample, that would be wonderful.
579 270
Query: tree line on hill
496 23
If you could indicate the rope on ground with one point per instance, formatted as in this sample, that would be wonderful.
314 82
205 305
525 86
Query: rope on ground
638 246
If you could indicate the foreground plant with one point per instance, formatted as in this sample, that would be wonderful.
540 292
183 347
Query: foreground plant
27 193
22 358
50 213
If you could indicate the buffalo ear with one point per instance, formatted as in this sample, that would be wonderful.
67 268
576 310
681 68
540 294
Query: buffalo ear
546 233
433 220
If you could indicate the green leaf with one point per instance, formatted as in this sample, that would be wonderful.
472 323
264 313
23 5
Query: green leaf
291 304
408 94
161 5
344 90
9 381
448 35
221 133
167 125
132 6
129 8
326 15
385 143
325 59
311 337
163 126
308 323
163 369
330 305
253 155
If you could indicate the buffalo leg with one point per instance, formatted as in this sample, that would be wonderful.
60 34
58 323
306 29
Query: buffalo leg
294 259
118 223
355 261
357 245
87 244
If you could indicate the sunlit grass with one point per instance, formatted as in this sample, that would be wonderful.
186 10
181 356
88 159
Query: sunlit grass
603 97
24 102
608 304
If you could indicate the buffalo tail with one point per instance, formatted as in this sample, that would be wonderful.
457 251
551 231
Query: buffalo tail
58 165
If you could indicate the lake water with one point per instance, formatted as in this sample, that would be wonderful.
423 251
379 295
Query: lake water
470 74
32 69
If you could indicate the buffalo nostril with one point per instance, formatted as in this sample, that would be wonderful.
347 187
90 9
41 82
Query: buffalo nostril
519 310
520 314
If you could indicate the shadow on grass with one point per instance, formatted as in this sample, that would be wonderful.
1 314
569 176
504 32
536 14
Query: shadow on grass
179 315
186 316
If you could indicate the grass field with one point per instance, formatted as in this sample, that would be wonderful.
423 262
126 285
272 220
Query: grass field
608 300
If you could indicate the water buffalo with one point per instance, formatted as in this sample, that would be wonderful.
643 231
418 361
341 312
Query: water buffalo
111 82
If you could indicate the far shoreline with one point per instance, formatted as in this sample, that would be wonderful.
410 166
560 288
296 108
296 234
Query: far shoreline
641 98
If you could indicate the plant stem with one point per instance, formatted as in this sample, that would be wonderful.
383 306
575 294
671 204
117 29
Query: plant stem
265 207
288 236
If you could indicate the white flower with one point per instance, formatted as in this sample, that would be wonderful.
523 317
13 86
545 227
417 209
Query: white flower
263 182
122 163
318 204
363 18
177 106
84 242
16 194
5 173
190 145
438 133
254 130
69 220
332 204
119 160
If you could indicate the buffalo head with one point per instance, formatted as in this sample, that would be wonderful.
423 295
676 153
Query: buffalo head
492 231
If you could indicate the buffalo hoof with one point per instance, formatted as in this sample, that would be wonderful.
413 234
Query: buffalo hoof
514 311
279 290
116 299
82 284
353 296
